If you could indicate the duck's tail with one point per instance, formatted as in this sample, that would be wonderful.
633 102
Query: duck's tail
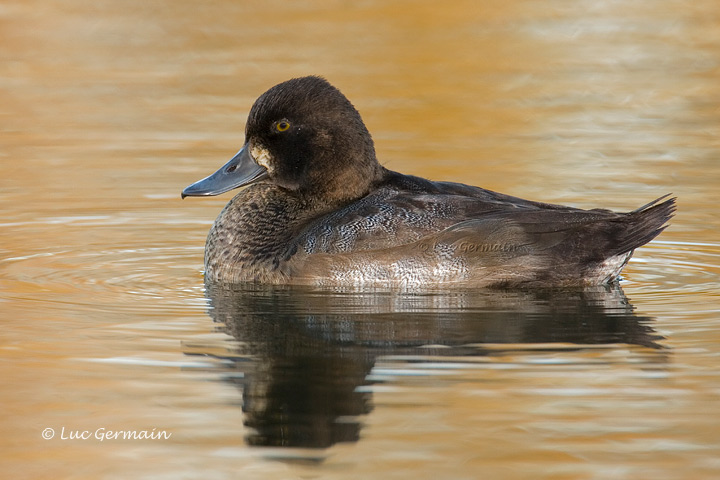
645 223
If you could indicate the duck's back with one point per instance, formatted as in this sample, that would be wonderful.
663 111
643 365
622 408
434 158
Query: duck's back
414 231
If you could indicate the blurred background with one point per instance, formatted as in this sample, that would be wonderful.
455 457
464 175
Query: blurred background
108 109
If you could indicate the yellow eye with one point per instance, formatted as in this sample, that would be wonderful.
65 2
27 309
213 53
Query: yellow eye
282 125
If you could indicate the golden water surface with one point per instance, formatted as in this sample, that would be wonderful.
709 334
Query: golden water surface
108 109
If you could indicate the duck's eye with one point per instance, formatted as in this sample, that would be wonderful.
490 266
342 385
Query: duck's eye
282 125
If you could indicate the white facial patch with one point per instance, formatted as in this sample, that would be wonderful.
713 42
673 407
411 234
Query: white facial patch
262 157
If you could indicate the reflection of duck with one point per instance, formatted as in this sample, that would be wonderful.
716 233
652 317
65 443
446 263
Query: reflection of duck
323 211
304 353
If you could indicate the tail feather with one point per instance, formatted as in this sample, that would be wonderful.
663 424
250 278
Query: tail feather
654 202
645 223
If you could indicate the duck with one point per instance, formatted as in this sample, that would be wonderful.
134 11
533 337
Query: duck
319 209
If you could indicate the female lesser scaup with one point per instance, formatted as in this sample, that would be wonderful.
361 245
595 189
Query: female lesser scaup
321 210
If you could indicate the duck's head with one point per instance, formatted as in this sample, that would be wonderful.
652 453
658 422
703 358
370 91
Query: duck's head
303 136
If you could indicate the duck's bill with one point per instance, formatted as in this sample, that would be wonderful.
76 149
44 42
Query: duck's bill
241 170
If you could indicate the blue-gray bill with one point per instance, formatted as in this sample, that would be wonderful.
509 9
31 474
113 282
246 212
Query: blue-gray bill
241 170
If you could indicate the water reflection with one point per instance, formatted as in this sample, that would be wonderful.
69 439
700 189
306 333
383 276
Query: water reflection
303 355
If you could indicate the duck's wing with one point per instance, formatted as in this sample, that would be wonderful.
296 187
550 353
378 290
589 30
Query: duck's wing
555 246
410 208
484 242
388 218
580 234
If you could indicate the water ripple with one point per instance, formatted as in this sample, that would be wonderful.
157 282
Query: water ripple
674 273
135 279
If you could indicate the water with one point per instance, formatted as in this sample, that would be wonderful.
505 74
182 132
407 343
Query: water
109 109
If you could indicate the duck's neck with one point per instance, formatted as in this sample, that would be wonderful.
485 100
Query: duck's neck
253 238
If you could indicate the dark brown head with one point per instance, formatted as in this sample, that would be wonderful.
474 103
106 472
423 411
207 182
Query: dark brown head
306 137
